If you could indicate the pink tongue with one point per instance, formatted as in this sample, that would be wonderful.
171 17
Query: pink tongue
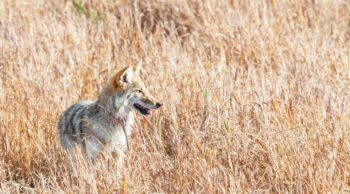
149 111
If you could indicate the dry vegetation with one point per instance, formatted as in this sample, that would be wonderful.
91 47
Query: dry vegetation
256 93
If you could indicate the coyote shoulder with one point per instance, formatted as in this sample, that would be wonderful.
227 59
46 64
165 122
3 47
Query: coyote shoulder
104 124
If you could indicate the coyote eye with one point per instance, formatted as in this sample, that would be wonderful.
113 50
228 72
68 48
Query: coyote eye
140 91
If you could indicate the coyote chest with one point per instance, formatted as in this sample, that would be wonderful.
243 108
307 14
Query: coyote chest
105 124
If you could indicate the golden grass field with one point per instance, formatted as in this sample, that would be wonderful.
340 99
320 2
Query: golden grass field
256 94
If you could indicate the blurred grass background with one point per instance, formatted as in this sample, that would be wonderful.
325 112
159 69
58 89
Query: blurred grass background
256 93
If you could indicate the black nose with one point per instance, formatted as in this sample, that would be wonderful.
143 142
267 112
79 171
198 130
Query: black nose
158 104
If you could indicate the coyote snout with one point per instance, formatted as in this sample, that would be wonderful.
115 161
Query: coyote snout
144 102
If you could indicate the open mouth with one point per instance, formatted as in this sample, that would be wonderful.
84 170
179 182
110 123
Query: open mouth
142 109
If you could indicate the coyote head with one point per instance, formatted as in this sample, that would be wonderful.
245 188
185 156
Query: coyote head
130 91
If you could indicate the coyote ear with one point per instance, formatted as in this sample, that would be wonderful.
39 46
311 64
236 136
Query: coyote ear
138 67
126 75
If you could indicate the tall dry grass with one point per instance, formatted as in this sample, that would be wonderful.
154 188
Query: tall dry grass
256 93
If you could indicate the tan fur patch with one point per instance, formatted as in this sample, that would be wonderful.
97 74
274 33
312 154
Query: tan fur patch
116 82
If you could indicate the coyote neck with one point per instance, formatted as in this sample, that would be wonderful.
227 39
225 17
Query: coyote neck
111 108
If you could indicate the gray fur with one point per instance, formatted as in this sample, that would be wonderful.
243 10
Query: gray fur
95 126
104 124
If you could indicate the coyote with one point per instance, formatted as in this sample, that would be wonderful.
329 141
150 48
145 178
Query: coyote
106 123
